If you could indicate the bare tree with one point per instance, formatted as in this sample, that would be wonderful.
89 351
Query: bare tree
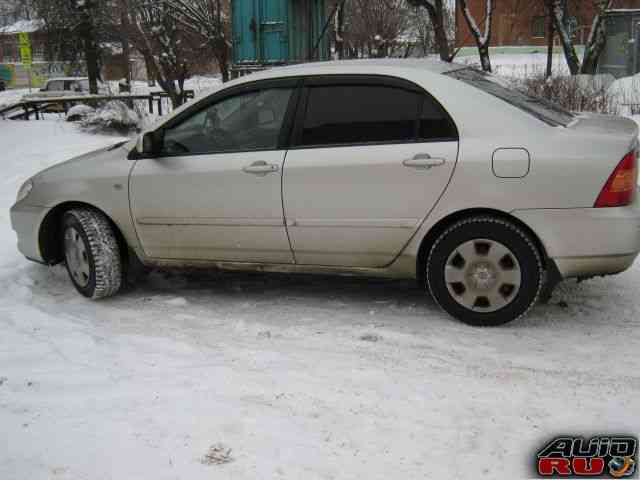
595 43
75 28
375 25
209 21
482 38
163 42
438 11
14 10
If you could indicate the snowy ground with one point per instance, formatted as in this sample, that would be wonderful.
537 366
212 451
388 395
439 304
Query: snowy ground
301 377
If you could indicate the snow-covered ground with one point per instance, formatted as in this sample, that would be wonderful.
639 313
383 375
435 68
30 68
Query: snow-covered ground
301 377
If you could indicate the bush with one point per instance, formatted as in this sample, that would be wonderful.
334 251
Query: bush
114 116
576 94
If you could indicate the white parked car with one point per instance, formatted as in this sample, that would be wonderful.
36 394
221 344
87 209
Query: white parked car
66 87
405 169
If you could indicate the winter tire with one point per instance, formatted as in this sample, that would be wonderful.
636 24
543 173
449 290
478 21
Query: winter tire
485 271
92 253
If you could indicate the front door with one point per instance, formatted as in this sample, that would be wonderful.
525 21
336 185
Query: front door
215 191
370 161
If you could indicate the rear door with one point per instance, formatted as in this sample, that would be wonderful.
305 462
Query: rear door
370 159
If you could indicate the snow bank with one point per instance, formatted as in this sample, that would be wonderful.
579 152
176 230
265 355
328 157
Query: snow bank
113 116
79 112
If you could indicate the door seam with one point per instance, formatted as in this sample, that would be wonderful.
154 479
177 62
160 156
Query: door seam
284 211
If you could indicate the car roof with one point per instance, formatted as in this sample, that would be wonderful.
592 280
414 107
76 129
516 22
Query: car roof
383 66
430 65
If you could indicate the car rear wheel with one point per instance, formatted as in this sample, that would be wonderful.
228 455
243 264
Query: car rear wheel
485 271
92 253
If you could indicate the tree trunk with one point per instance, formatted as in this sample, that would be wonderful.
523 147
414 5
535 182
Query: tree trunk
126 49
222 57
573 62
550 35
482 40
596 42
485 59
91 57
340 32
436 14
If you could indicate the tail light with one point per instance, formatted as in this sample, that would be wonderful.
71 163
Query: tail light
620 189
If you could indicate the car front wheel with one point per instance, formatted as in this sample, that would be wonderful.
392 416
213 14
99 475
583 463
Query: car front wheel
92 253
485 271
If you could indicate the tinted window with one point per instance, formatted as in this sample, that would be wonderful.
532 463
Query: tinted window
356 114
251 121
435 123
539 108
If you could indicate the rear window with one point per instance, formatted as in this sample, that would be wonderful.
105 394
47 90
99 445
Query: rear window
537 107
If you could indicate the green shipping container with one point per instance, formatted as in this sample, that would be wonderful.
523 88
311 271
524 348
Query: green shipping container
277 32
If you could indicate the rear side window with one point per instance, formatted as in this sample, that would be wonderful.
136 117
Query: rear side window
357 114
435 123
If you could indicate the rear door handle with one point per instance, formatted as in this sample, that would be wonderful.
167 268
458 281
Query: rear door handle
261 168
424 161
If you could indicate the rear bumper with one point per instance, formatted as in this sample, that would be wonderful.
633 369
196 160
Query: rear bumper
585 242
26 221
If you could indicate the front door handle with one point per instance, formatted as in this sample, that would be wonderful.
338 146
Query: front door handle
424 161
261 168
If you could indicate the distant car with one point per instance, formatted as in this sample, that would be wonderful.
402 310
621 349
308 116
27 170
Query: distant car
405 169
69 84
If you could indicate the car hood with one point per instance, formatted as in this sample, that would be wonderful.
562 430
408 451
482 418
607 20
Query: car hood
81 165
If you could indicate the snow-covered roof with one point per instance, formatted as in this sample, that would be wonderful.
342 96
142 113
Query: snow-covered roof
22 26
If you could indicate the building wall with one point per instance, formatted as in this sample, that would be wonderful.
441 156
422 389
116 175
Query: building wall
518 22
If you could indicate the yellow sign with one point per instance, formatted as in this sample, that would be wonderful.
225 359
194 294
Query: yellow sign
24 40
25 48
25 55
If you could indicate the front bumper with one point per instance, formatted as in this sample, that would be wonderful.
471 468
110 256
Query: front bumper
585 242
26 221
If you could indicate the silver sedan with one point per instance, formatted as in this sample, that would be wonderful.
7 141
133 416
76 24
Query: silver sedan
405 169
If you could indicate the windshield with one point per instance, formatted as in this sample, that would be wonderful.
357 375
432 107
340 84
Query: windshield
537 107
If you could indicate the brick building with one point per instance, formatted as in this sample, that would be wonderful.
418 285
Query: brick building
524 22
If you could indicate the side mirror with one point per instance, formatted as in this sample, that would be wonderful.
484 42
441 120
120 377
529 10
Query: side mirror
150 144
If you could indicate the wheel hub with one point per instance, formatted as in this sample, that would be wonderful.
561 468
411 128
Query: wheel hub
483 275
77 257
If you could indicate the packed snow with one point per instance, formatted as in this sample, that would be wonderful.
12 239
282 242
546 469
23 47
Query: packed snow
245 376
